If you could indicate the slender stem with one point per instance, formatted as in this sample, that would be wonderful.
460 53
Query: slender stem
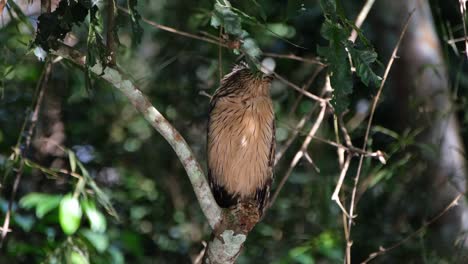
369 124
111 41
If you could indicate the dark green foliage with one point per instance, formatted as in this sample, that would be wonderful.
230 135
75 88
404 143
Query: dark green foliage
54 26
230 18
225 17
337 29
136 203
363 60
135 18
338 63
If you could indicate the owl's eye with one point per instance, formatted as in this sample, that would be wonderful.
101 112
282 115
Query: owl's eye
268 77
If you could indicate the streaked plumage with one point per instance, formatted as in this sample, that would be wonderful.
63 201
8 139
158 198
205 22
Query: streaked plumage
241 142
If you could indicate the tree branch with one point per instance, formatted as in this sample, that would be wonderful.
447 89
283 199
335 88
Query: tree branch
111 41
114 77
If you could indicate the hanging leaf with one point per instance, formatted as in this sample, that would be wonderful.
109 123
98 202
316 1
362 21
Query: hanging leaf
70 214
95 217
99 241
135 17
336 29
339 68
230 18
72 160
55 25
223 15
101 196
76 257
363 60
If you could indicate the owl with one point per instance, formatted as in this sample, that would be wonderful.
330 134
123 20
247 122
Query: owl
241 139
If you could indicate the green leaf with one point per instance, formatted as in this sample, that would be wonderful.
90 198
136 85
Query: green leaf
336 29
95 217
78 258
102 197
226 17
99 241
72 160
328 7
363 60
70 214
302 254
250 47
43 202
339 68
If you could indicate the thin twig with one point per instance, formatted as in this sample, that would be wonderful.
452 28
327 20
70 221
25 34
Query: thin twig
220 56
302 151
335 196
306 87
455 40
360 19
280 153
300 90
176 31
366 137
229 45
294 57
110 41
41 87
383 250
380 155
463 14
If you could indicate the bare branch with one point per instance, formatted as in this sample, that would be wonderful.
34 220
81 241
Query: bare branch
301 153
360 19
296 58
300 90
366 137
216 41
463 14
335 196
111 41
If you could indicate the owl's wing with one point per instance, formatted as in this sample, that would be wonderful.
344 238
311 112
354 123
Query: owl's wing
222 197
263 194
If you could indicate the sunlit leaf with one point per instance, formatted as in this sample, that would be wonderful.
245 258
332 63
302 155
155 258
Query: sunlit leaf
302 255
78 258
72 160
43 202
70 214
95 217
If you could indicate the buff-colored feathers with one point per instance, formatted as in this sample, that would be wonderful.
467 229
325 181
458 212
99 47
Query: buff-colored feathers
241 137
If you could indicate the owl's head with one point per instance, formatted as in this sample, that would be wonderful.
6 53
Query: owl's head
243 80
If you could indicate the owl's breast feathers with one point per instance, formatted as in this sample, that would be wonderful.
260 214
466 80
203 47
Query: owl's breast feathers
241 142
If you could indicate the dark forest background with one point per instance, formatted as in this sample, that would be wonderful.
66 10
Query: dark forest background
84 178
